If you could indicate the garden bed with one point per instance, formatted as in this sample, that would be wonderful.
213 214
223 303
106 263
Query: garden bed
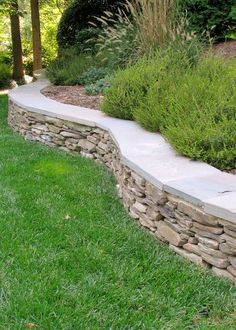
75 95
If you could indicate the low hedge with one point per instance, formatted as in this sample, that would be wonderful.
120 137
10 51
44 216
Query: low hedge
201 120
193 106
130 86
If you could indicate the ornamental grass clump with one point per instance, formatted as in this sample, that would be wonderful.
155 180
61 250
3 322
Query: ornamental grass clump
139 27
155 22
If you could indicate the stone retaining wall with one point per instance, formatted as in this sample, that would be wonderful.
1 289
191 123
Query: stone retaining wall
190 232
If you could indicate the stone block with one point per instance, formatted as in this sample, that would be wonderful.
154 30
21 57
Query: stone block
232 270
133 213
67 134
214 261
138 179
183 219
211 252
197 214
53 128
45 137
229 240
193 248
53 121
190 256
203 233
93 138
140 207
223 273
232 260
153 214
169 234
103 146
42 127
86 155
156 195
230 232
167 212
193 240
86 145
225 248
146 222
208 242
213 230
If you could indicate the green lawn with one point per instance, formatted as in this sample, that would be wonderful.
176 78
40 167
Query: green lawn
71 258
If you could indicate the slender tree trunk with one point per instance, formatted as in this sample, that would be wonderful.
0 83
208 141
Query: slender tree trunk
18 71
37 48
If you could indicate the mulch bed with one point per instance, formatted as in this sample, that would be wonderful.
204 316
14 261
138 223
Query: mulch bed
75 95
225 49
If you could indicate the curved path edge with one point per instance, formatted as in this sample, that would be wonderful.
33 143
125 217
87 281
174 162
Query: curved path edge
188 204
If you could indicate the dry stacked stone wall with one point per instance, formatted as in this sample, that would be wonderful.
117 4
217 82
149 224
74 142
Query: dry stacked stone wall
203 239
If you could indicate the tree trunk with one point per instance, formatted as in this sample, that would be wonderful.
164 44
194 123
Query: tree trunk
18 71
37 48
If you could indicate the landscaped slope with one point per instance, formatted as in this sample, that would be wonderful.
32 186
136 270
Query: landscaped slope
71 258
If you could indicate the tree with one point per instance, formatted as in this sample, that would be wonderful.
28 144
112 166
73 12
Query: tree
18 71
36 35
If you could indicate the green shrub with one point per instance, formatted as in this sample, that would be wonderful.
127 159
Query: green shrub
176 60
99 87
92 75
190 99
6 56
217 17
201 118
130 86
66 69
85 39
5 75
78 16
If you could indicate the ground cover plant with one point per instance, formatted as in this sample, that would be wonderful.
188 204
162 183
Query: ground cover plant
71 257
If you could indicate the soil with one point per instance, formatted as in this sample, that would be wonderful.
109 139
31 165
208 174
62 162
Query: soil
75 95
225 49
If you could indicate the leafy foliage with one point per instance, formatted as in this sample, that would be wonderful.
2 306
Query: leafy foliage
99 87
129 87
66 69
5 75
78 17
217 17
201 113
92 75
